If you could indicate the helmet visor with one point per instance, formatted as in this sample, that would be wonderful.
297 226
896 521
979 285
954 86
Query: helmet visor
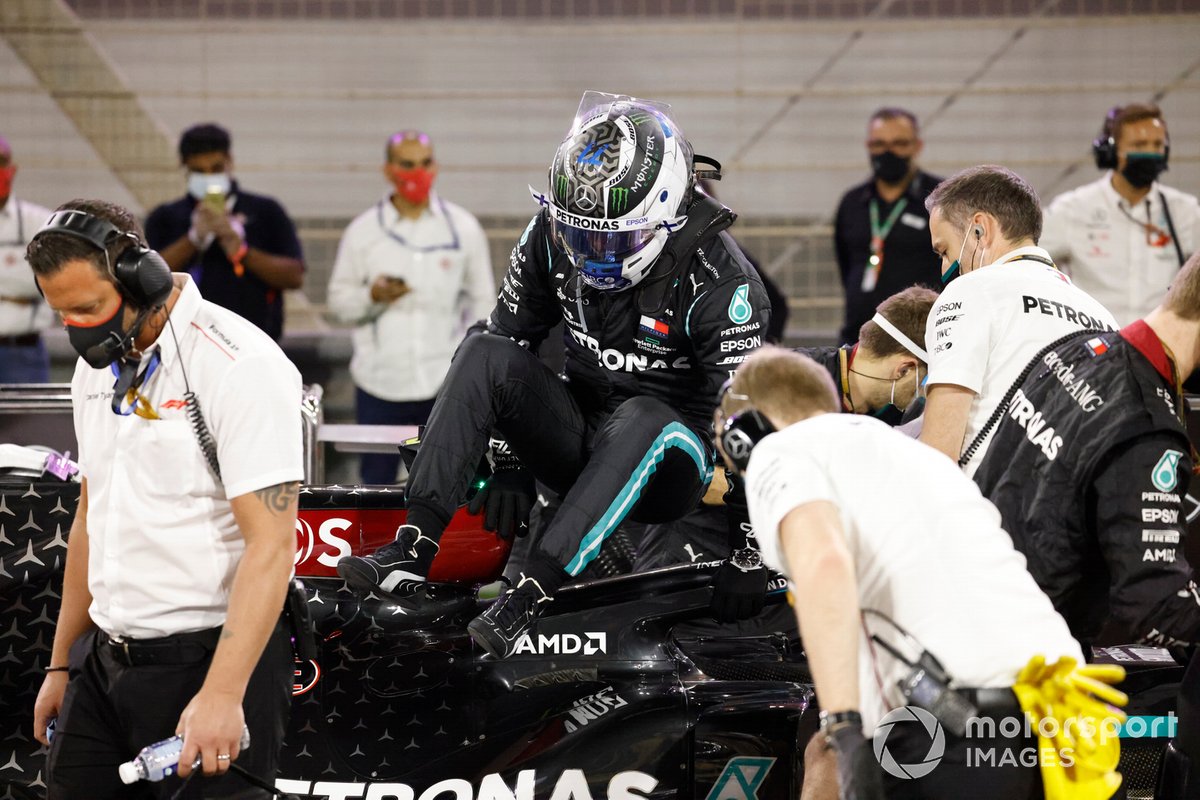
610 246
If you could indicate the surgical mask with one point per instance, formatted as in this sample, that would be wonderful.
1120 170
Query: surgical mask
198 183
891 413
955 268
1143 169
6 179
103 343
889 167
412 184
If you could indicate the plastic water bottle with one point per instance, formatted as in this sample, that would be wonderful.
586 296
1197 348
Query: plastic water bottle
161 759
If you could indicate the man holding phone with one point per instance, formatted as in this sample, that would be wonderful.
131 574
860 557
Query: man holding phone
412 272
240 248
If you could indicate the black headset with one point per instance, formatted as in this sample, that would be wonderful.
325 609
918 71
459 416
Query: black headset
141 274
741 432
1104 146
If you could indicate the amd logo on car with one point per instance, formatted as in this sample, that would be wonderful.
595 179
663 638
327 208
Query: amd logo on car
563 644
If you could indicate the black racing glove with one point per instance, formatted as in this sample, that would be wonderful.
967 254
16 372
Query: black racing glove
859 775
739 592
506 498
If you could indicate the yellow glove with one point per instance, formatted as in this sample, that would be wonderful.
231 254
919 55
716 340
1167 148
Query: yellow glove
1079 760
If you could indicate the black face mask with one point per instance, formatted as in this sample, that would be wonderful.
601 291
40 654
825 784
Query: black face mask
889 167
102 344
1143 169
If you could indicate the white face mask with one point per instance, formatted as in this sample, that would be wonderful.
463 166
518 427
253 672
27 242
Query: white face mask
198 183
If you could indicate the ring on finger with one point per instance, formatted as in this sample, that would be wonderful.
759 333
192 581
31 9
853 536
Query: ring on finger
222 756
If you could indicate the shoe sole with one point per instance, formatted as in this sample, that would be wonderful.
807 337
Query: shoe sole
483 635
357 575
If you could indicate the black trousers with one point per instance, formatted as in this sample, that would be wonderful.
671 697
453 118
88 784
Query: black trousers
994 767
641 461
381 468
111 711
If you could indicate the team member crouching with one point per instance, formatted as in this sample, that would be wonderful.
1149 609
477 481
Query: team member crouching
924 572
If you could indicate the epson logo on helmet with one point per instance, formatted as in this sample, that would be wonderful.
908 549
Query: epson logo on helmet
586 223
565 644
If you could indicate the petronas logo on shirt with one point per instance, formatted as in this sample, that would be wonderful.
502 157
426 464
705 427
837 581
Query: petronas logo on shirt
740 309
1165 476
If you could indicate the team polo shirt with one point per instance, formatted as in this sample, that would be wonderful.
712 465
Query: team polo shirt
928 552
402 349
1111 256
19 221
163 541
989 323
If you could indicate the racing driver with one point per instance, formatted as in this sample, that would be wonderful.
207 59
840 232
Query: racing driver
658 305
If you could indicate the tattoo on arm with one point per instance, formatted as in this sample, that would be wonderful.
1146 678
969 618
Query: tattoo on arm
279 498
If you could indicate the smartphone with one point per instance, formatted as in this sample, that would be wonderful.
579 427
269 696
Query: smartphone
214 198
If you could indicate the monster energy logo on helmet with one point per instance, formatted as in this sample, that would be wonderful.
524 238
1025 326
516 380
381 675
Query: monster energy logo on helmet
618 200
560 185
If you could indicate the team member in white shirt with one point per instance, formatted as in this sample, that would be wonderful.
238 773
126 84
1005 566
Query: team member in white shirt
922 553
1124 237
23 315
412 272
1006 302
180 552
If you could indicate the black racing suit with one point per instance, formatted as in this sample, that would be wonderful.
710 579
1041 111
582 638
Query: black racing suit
627 430
1089 467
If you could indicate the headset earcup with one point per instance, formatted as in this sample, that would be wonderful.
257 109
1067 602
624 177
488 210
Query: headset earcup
1105 152
741 433
144 276
1104 147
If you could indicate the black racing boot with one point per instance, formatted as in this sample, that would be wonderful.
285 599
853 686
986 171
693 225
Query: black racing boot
498 628
399 568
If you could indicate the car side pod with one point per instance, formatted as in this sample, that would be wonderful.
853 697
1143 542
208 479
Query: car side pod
338 521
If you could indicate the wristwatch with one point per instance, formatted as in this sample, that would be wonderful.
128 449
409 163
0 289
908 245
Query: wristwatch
837 723
747 559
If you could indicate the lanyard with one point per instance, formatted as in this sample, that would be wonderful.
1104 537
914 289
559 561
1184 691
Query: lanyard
1031 257
845 359
1155 236
878 234
453 245
125 389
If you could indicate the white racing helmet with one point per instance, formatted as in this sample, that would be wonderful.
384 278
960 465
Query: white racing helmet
618 187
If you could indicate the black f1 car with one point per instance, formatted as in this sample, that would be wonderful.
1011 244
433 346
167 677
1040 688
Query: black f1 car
616 695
